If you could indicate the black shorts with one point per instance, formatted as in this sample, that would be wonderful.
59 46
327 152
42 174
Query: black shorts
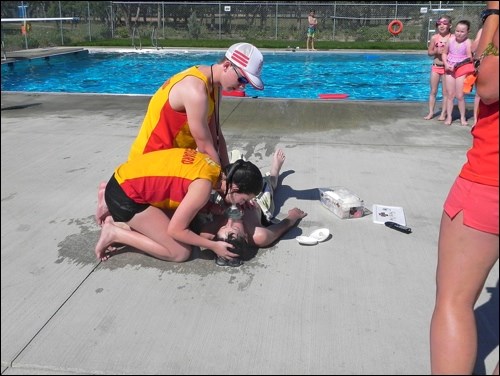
121 207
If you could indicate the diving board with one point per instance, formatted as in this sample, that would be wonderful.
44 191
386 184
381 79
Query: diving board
32 19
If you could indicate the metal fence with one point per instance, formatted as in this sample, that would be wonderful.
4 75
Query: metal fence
56 23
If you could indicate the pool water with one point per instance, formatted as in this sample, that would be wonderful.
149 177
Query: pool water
286 74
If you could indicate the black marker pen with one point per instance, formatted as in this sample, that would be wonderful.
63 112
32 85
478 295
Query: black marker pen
398 227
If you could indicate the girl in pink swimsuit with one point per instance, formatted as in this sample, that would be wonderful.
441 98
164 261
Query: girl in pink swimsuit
457 50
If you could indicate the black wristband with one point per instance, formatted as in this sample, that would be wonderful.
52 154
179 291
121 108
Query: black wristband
488 12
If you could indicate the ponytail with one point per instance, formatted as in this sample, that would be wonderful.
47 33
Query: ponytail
245 175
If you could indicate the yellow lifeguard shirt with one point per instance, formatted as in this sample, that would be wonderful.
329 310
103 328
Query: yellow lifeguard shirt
162 178
163 127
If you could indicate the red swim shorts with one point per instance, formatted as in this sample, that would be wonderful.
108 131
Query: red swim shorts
463 70
478 202
439 69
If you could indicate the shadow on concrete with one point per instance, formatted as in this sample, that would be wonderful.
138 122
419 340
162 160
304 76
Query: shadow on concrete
487 329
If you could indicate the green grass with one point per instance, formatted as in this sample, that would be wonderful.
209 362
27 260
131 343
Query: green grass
225 43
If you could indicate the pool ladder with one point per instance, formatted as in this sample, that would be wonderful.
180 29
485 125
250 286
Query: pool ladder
134 32
154 38
4 55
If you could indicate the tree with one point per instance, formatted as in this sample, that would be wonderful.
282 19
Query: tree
194 27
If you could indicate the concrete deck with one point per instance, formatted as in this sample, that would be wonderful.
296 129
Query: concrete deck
359 303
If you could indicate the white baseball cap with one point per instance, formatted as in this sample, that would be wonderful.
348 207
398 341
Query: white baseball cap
249 59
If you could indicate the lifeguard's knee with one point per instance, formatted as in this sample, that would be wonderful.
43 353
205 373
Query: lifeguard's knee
181 256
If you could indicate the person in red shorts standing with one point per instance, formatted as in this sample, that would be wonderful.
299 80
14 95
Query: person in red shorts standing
468 238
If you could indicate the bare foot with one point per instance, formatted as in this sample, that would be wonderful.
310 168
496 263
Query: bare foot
104 248
429 117
442 118
102 210
122 225
463 123
295 214
278 160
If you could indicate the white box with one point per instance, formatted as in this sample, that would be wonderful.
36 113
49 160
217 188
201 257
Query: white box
342 202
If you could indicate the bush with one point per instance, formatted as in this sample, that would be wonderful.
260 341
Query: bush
122 32
373 33
194 27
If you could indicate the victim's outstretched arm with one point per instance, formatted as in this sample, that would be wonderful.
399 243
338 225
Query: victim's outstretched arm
265 236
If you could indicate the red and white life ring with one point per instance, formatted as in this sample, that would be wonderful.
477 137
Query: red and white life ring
234 93
333 96
398 29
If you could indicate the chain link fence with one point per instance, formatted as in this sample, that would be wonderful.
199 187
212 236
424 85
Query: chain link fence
41 24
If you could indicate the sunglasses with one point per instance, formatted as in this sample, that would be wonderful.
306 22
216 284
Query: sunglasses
446 23
241 79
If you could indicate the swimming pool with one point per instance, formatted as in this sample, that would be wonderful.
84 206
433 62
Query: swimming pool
286 74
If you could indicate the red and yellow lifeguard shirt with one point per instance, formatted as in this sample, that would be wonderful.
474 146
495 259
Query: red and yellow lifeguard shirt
482 158
163 127
161 178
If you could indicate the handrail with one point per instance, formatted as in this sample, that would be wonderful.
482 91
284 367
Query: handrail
154 38
4 55
133 39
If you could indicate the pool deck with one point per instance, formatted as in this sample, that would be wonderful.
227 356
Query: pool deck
358 303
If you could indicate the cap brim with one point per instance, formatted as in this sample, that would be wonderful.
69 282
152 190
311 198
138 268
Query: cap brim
255 81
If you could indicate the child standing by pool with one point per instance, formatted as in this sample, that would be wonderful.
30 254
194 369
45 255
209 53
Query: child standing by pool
311 30
436 48
457 57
